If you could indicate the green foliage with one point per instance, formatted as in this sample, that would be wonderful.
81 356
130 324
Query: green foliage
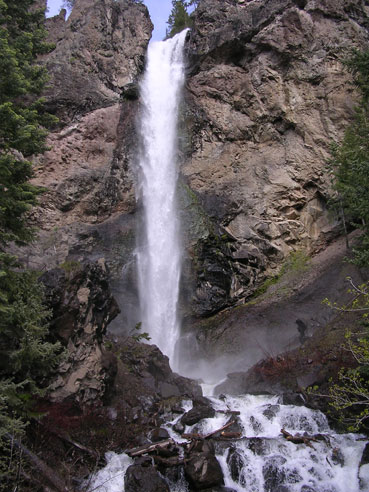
140 336
178 19
27 358
349 396
297 262
22 117
350 160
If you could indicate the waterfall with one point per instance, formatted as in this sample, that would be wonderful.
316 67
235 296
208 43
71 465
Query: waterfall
159 254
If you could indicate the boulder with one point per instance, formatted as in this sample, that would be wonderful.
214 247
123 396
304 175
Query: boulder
202 409
144 478
203 471
158 434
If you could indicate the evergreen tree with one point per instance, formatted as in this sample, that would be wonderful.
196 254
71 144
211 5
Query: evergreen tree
179 18
26 358
350 160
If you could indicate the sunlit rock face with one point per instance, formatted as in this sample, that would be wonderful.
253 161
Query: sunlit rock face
267 95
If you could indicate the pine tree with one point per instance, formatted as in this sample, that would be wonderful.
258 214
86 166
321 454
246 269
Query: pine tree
179 18
26 358
350 160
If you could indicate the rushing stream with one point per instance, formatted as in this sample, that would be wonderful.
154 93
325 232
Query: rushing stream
261 459
159 256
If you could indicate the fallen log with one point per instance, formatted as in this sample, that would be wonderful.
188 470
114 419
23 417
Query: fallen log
192 435
298 439
149 448
219 430
229 412
231 435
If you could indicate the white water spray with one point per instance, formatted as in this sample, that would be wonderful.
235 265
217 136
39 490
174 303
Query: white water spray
159 257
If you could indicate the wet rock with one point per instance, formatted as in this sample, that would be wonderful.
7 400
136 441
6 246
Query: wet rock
179 427
274 474
158 434
293 398
144 478
365 456
203 471
235 462
258 445
271 411
202 409
337 457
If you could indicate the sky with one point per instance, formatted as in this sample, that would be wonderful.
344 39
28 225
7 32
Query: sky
159 13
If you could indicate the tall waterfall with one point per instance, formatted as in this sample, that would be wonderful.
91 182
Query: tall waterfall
159 255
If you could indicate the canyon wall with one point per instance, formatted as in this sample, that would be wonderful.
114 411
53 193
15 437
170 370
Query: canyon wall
267 95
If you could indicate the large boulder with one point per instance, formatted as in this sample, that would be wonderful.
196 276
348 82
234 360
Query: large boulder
144 478
202 409
202 469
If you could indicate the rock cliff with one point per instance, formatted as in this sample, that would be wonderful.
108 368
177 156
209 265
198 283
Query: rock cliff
86 210
267 95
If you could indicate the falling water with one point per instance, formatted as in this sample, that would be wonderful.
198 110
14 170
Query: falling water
159 255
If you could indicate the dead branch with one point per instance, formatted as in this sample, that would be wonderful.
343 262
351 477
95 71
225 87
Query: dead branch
219 430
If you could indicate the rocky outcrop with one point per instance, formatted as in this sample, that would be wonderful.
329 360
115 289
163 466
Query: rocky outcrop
267 94
99 50
82 307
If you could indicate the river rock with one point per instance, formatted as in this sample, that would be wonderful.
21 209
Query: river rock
274 474
158 434
144 478
203 471
202 409
235 462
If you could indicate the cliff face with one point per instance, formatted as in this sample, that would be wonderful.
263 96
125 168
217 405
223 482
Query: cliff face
89 194
267 94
